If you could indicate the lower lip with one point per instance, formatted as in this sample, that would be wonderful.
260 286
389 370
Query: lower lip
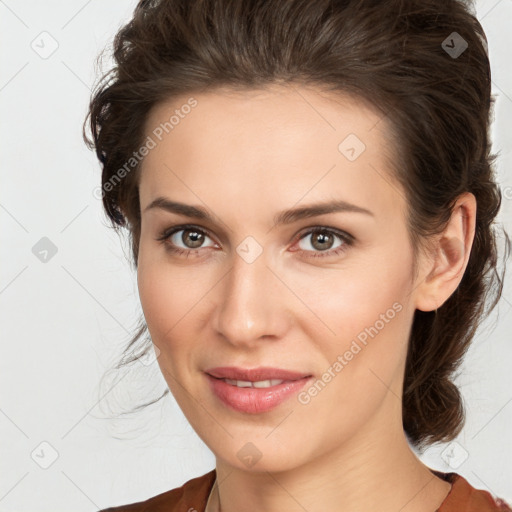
255 400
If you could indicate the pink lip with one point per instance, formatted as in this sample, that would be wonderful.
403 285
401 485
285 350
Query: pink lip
254 400
254 374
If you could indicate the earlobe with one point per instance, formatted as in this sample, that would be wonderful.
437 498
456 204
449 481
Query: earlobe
447 264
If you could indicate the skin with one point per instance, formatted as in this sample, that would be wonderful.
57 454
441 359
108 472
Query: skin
244 157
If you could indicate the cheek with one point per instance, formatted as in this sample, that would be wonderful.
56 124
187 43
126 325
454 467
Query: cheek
369 314
154 295
354 299
364 360
165 306
171 300
161 295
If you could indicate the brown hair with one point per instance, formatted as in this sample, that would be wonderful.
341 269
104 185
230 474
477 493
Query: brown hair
424 64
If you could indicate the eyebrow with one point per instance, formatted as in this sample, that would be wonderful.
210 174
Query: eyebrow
284 217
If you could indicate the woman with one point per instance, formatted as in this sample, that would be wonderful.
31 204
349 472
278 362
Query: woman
310 197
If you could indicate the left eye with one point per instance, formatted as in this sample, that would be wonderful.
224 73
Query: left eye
321 240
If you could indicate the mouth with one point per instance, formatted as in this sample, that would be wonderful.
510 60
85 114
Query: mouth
260 384
256 390
263 374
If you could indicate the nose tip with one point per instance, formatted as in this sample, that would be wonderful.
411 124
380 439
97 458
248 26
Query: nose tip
250 305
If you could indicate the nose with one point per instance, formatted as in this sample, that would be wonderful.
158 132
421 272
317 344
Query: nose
252 303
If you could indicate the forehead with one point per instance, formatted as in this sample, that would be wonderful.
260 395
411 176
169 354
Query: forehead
281 143
284 113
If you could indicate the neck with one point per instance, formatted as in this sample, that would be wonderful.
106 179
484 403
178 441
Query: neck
374 470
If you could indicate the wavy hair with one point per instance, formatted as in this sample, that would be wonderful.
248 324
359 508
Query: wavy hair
424 64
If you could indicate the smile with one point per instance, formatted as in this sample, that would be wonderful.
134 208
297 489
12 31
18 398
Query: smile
254 397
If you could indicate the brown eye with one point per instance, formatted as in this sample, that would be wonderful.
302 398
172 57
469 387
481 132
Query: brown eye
185 239
322 242
192 238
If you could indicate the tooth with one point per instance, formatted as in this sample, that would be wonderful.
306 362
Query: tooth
257 384
267 383
262 384
244 383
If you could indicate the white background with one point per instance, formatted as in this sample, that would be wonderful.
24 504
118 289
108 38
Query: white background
64 322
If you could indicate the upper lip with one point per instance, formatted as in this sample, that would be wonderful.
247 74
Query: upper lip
254 374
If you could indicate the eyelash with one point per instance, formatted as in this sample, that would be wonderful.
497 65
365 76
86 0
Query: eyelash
348 240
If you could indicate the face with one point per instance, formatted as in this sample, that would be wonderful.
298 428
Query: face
329 295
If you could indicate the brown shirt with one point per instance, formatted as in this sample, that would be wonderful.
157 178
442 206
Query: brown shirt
193 495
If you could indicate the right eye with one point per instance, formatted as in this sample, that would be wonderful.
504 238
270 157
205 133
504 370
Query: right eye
191 238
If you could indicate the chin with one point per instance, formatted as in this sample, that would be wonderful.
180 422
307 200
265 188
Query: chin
263 465
260 455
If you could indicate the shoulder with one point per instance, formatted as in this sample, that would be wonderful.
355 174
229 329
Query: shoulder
190 497
463 497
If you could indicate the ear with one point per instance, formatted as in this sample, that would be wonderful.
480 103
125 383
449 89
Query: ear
443 269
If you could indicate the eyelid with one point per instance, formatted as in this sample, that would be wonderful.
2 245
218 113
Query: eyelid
167 233
324 227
